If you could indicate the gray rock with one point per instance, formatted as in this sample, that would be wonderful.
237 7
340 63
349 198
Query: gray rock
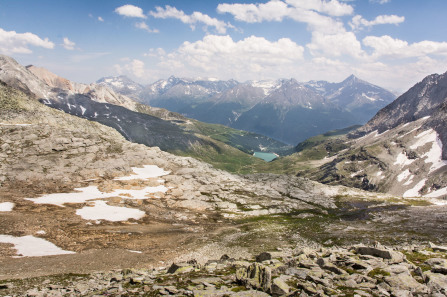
256 275
437 247
437 283
279 286
393 256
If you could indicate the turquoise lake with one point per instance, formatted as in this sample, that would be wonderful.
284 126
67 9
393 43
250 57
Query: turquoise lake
265 156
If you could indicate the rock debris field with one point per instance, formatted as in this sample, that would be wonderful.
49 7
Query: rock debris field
356 271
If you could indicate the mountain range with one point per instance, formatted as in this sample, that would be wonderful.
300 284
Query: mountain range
402 150
274 108
140 123
76 188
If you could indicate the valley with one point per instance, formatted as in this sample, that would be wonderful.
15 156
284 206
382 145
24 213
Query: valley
101 194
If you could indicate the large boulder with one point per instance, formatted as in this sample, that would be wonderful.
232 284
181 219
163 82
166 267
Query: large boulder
256 276
379 251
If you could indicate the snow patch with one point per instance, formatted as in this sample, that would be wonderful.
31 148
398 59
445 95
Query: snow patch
438 193
148 171
83 109
6 206
102 211
403 160
409 181
403 175
92 192
369 98
84 194
434 155
414 192
30 246
356 173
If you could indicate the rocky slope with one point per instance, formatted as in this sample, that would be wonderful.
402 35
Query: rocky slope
76 197
271 107
401 150
140 123
95 92
356 271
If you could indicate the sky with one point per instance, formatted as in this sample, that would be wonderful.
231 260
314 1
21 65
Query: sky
390 43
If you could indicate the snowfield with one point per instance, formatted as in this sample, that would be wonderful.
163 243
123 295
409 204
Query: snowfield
6 206
30 246
102 211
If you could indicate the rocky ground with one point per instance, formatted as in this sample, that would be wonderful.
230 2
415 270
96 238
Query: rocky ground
188 210
355 271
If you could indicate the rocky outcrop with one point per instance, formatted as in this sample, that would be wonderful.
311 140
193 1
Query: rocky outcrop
297 272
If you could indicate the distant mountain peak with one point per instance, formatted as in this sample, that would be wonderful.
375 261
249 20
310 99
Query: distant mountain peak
352 79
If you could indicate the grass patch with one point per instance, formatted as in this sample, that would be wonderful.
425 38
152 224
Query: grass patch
377 272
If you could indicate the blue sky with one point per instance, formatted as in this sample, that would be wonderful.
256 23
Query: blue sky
392 43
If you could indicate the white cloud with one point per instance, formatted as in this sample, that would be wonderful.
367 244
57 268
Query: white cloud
396 48
275 10
310 12
335 45
68 45
100 19
358 22
155 52
221 56
144 26
332 8
131 11
256 13
137 67
380 1
12 42
192 20
133 67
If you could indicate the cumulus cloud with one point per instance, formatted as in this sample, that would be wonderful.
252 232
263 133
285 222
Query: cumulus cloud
256 13
275 10
192 19
358 22
130 11
12 42
332 8
335 45
221 56
68 45
100 19
318 14
137 67
384 46
134 67
144 26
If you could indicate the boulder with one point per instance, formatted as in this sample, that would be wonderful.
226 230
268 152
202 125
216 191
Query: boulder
256 276
279 286
263 256
436 282
381 252
180 268
439 248
325 264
